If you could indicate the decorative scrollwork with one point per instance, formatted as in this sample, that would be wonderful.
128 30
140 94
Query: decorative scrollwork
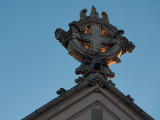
93 65
129 98
110 82
122 41
95 43
61 91
79 80
97 80
60 35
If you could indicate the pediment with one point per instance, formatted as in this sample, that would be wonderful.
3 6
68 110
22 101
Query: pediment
93 111
80 105
79 102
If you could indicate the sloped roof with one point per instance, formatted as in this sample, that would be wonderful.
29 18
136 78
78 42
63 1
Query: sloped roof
89 81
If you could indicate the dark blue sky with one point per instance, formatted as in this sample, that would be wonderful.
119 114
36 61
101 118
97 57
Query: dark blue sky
34 65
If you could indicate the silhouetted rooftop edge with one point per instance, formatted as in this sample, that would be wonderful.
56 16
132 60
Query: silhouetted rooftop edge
87 82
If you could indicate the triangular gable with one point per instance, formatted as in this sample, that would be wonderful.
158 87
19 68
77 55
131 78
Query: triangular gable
78 102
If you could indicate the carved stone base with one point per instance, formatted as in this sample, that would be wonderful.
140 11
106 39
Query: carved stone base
94 64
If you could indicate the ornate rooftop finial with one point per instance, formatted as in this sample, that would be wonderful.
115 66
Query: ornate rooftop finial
104 16
94 12
83 14
95 43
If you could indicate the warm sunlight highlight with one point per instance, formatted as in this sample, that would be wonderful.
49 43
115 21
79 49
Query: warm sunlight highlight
102 31
87 30
87 47
119 55
103 49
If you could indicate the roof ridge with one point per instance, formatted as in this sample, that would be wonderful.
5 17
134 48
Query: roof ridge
91 80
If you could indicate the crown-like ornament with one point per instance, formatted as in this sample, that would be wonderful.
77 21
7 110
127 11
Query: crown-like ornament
95 43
